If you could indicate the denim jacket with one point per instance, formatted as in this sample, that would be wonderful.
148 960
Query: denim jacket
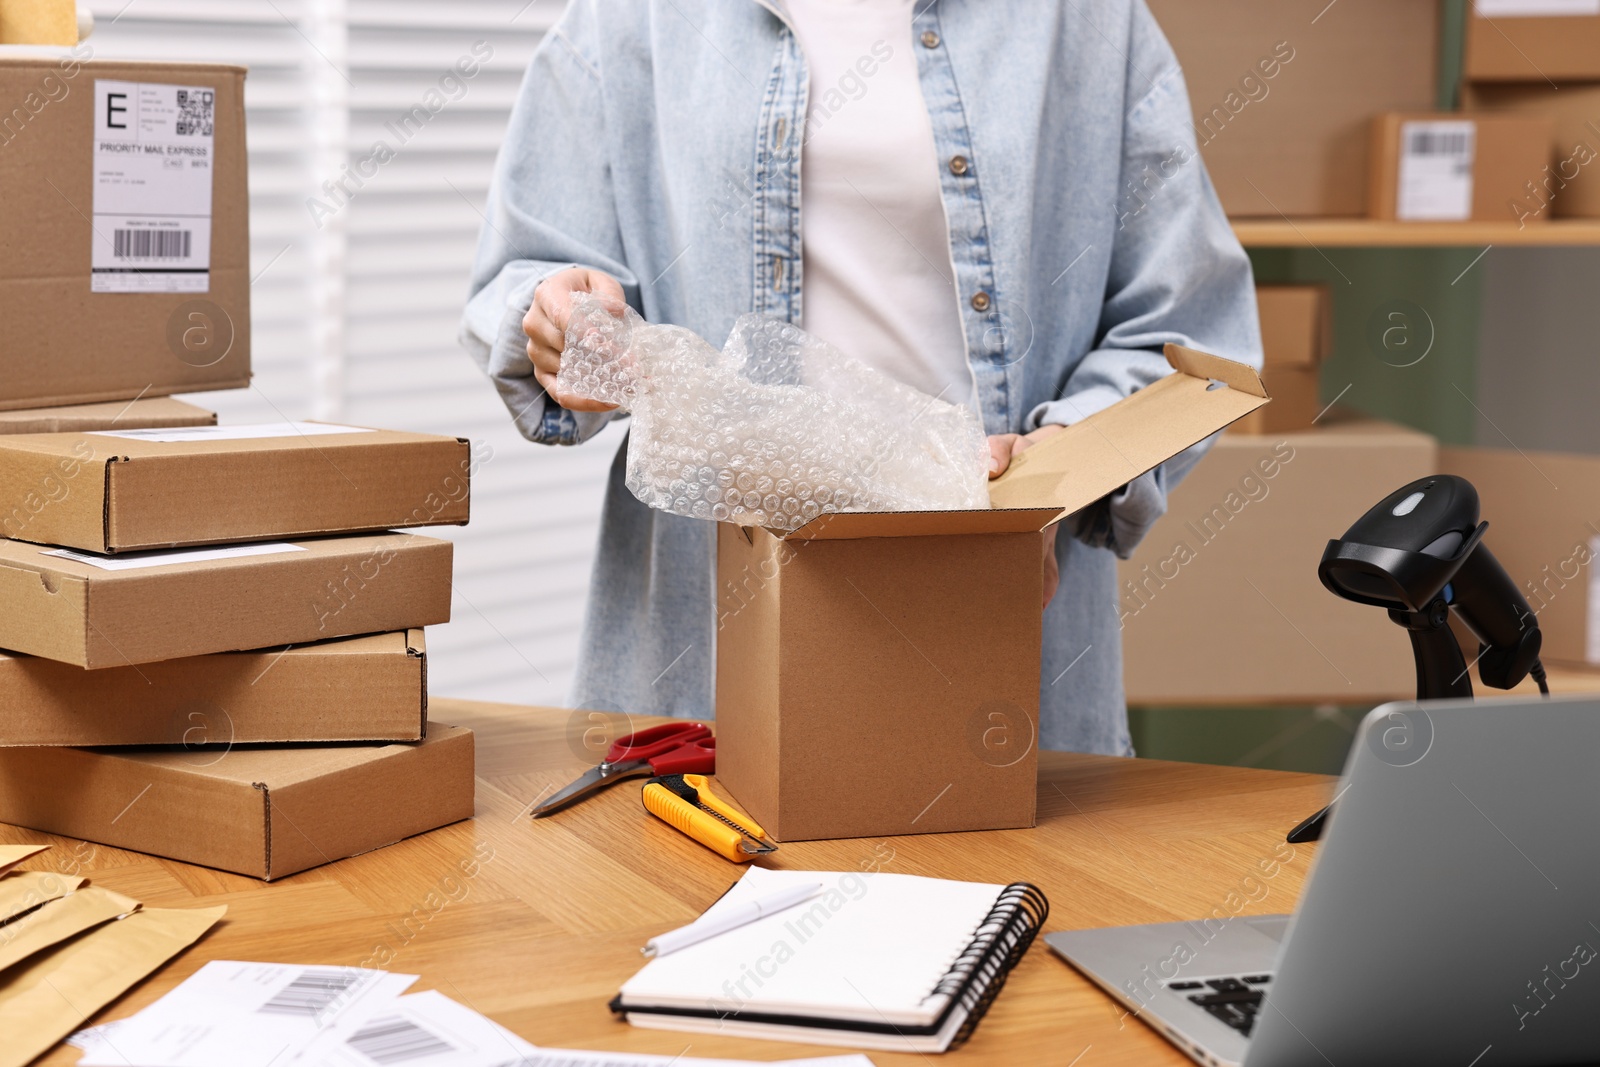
660 141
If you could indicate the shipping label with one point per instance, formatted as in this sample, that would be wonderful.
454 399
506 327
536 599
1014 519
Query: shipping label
153 155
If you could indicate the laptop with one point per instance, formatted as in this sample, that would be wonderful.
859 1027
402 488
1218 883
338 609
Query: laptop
1452 915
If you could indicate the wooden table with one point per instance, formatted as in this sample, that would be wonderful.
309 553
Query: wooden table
550 925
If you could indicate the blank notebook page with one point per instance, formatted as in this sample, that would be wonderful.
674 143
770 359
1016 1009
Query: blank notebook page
871 947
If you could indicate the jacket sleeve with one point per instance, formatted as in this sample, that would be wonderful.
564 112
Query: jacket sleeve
550 207
1177 275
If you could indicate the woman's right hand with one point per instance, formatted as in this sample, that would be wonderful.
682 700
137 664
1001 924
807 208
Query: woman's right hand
546 326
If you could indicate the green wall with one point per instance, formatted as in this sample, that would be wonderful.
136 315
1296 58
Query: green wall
1405 330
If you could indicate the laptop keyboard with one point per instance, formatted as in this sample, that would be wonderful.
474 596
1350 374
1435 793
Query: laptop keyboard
1234 1001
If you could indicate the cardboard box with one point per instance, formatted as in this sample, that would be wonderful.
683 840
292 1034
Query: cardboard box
113 612
1283 90
371 688
1533 47
115 415
1569 184
1233 565
1296 334
120 491
265 812
878 674
1455 166
1547 538
153 296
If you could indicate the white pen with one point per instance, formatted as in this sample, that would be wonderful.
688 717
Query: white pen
729 919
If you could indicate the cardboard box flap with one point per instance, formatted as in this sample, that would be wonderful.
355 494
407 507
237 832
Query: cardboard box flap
1199 364
1110 448
844 525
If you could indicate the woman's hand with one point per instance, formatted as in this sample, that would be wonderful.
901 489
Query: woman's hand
1003 448
546 326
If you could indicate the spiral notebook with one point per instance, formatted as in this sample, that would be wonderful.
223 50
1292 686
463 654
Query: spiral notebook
877 961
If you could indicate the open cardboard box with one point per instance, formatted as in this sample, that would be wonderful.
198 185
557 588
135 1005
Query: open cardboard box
878 673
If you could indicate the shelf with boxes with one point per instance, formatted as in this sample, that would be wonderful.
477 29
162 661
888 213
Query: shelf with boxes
1321 128
1301 108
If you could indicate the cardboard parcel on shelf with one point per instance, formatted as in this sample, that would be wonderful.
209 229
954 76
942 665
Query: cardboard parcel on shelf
1282 92
1543 41
1567 187
112 611
878 673
1296 334
122 491
368 688
1454 166
264 811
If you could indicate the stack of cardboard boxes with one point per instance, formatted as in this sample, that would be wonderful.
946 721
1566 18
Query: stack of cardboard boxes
1541 59
212 635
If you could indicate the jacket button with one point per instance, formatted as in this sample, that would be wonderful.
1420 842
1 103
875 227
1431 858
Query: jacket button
930 39
980 301
958 165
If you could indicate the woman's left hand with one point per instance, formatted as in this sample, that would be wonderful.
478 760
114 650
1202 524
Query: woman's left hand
1003 448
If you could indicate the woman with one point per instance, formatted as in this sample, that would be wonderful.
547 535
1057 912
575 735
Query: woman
1002 205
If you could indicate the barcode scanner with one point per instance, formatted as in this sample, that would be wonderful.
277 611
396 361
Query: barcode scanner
1419 553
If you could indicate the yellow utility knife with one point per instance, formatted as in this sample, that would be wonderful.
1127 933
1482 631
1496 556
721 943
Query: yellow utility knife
685 801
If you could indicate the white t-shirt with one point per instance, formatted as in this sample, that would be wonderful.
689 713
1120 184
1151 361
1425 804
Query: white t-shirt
878 280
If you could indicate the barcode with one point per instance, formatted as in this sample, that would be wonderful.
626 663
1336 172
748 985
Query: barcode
395 1040
195 112
151 244
1439 143
312 993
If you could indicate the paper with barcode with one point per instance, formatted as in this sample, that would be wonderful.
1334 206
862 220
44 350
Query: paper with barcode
421 1030
1436 158
240 1014
336 1017
153 154
431 1030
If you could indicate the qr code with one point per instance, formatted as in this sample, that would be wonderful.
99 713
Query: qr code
196 109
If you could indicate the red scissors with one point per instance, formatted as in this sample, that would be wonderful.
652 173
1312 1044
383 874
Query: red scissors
671 748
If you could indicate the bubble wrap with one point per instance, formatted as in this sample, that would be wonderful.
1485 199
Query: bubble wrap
775 429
